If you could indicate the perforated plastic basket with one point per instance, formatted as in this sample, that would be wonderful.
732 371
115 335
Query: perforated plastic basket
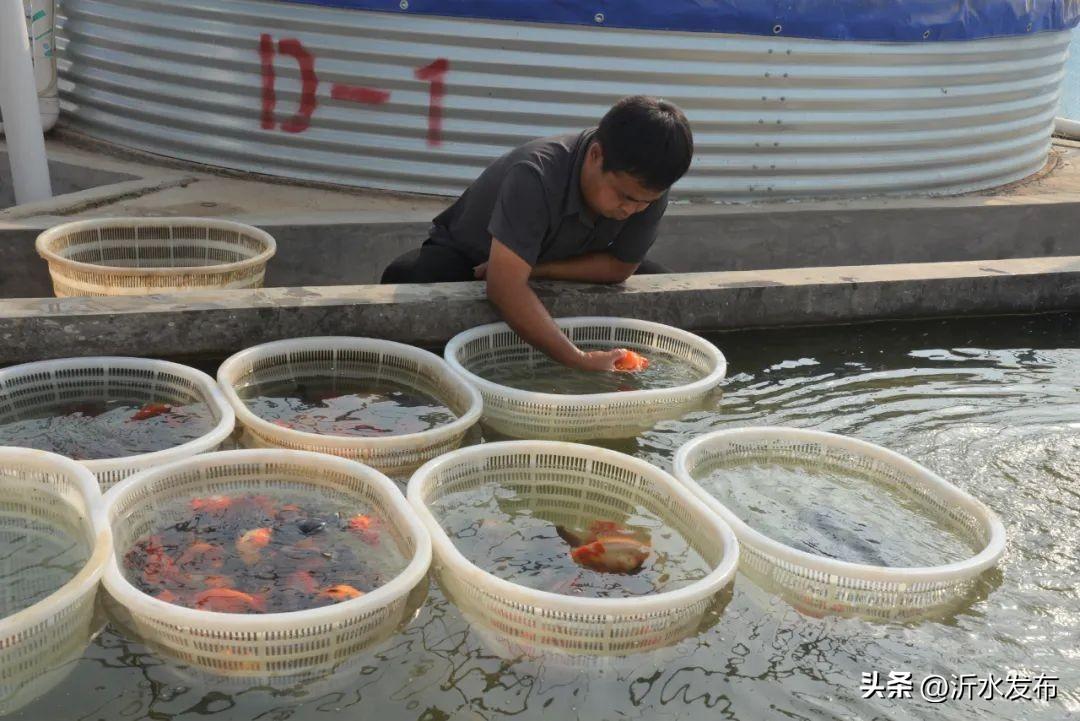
354 358
137 256
274 644
526 414
579 483
819 585
48 494
26 388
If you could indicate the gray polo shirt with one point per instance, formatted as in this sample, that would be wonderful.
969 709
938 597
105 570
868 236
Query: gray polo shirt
530 199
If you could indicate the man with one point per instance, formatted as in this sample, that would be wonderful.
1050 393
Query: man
582 207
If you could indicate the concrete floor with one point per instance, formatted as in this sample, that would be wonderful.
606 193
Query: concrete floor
164 187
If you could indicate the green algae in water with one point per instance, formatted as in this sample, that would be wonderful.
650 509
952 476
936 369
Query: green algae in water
540 374
346 407
832 513
314 542
36 559
494 531
115 428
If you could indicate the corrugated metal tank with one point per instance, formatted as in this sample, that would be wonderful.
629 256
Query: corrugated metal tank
421 103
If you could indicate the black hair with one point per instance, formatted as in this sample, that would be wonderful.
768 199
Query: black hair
647 138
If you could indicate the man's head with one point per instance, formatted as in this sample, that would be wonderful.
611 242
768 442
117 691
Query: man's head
642 147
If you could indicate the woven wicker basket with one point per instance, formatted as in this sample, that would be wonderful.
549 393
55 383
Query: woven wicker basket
275 644
139 256
48 494
818 585
527 414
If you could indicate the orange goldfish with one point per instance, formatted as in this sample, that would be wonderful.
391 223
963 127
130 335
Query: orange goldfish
366 527
217 581
211 504
158 567
302 581
612 554
150 410
577 537
203 553
340 592
252 542
228 600
167 596
632 362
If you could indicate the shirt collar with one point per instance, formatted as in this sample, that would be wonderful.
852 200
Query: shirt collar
574 203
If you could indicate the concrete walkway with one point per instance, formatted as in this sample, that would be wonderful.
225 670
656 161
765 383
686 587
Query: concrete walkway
218 324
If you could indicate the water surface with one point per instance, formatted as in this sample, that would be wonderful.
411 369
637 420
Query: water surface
992 405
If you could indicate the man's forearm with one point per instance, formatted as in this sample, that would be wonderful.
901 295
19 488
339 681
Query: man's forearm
523 311
588 268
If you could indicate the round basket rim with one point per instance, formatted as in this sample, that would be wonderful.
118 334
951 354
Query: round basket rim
702 385
228 371
957 570
711 584
86 580
126 594
211 439
44 249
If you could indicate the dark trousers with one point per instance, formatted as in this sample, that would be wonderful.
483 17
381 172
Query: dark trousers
431 263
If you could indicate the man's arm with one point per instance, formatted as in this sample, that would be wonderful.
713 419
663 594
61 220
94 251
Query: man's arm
508 289
589 268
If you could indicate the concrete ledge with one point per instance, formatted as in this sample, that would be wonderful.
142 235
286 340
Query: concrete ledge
217 324
355 252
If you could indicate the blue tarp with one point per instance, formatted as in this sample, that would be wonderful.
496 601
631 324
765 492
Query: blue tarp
884 20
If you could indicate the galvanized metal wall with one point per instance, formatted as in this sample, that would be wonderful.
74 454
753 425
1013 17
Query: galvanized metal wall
221 82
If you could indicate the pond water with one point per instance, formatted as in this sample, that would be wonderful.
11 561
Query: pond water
993 405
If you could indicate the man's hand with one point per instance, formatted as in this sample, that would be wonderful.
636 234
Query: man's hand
599 360
480 271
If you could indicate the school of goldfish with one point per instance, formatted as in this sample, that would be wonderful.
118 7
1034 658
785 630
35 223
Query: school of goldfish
249 554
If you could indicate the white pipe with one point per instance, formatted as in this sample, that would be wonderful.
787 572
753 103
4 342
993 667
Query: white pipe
41 18
1066 128
19 104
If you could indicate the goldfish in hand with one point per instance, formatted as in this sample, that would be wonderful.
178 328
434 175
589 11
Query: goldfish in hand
150 410
228 600
612 554
632 362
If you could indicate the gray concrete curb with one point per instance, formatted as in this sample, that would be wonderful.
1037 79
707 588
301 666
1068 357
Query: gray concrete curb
217 324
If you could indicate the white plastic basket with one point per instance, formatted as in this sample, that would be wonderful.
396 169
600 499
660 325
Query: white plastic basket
50 494
818 585
26 388
138 256
527 414
578 482
274 644
358 358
